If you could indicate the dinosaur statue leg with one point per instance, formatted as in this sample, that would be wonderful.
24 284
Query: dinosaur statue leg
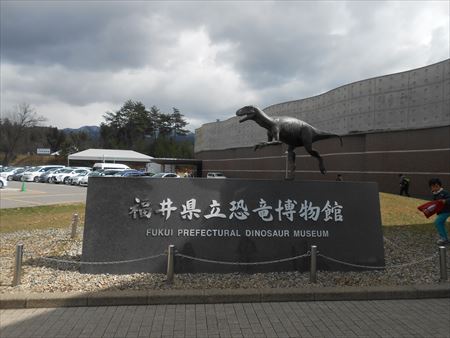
265 144
290 170
308 146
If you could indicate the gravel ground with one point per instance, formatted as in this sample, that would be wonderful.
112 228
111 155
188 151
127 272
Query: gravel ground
403 245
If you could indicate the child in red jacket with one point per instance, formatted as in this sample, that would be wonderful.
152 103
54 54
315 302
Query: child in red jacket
442 195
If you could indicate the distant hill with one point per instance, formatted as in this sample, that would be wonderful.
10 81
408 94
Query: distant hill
93 131
189 137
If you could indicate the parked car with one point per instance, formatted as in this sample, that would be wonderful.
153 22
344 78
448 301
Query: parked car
65 174
215 175
32 175
46 176
129 173
85 179
165 175
9 172
110 172
105 166
18 175
3 182
75 180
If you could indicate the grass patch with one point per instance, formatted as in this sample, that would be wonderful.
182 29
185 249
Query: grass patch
42 217
400 210
395 211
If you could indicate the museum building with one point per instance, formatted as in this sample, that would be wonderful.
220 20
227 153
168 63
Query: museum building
392 124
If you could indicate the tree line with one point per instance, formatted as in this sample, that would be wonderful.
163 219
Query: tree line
132 127
148 131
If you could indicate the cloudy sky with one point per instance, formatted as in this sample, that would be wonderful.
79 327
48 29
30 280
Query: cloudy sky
75 60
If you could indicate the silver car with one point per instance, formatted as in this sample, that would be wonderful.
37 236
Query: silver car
75 180
65 174
3 182
9 173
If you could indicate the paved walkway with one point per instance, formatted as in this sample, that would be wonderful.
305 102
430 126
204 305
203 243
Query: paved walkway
378 318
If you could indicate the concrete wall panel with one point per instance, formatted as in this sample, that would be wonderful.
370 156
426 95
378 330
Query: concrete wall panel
380 101
392 82
397 118
360 105
396 100
428 115
427 94
418 77
446 89
445 112
361 88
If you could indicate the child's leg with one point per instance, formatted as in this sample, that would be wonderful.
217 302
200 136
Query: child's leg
440 225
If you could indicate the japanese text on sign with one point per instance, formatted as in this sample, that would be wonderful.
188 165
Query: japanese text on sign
288 209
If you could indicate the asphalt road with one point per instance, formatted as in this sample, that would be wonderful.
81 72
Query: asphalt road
40 194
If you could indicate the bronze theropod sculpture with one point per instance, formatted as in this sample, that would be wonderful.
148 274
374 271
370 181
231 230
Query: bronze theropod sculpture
288 130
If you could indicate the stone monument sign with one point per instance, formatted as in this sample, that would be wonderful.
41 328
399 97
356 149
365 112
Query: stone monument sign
231 220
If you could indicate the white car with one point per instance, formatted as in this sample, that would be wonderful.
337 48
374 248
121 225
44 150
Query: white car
85 168
106 166
215 175
165 175
33 174
8 174
85 179
65 174
75 180
52 174
3 182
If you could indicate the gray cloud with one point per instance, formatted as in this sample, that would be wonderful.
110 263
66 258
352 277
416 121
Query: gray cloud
77 35
74 58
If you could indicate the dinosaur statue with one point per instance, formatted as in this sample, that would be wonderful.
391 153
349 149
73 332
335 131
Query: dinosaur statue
288 130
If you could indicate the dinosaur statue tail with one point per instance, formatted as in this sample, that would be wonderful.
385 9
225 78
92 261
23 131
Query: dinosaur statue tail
322 135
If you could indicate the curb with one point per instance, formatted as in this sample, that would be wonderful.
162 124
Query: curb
211 296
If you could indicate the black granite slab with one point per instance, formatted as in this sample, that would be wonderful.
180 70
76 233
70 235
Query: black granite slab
250 221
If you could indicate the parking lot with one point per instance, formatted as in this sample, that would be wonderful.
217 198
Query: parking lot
40 194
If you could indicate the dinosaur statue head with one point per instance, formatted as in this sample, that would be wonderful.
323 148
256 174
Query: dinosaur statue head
248 113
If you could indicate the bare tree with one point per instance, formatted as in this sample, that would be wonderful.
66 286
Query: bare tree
13 127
